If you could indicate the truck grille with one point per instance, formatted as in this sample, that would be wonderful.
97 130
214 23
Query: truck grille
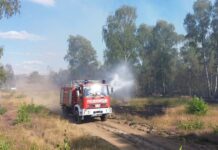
92 106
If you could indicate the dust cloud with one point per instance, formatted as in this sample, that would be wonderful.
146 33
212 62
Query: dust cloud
41 91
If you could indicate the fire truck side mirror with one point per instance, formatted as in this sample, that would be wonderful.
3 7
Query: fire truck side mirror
77 93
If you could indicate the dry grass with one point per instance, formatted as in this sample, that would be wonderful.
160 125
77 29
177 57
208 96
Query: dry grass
174 114
44 131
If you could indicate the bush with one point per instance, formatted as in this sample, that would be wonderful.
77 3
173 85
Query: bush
2 110
197 106
25 110
32 108
191 125
23 114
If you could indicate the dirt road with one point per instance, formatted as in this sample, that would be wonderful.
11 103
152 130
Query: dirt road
125 137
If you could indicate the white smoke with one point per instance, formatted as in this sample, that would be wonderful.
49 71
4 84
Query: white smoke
122 82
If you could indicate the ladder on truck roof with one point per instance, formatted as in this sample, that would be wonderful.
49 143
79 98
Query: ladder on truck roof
78 82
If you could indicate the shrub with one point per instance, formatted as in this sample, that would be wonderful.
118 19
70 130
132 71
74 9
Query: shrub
23 114
2 110
4 145
197 106
191 125
25 110
32 108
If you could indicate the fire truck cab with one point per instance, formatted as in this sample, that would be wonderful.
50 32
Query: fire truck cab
86 99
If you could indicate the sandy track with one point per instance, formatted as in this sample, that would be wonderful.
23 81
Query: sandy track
125 137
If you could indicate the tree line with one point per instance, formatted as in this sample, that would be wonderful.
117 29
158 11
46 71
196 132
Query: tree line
163 61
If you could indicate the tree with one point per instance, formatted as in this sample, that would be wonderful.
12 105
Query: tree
214 25
119 35
10 79
34 77
164 54
198 33
189 76
81 57
9 8
60 78
158 56
2 71
144 75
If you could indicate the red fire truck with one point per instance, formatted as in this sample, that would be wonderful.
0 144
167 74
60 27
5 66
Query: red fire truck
86 99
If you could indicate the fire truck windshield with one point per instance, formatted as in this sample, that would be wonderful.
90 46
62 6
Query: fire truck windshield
96 90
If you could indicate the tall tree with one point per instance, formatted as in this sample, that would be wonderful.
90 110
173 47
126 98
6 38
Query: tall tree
119 35
190 75
2 71
34 77
81 57
7 9
145 78
158 56
10 79
163 54
214 25
198 32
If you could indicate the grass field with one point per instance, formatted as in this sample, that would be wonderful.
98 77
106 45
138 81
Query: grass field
168 114
25 122
42 130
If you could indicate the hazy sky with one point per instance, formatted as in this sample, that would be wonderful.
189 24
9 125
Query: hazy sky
37 37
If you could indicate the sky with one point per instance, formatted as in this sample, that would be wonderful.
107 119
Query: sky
36 39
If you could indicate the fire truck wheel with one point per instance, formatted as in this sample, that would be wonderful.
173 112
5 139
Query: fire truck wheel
77 117
103 117
65 110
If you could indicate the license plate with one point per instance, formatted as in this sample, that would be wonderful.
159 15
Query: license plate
97 105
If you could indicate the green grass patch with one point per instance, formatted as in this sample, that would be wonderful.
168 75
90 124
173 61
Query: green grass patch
2 110
191 125
22 114
32 108
25 110
4 144
197 106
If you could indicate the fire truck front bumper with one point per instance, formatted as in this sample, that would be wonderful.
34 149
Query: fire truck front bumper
96 112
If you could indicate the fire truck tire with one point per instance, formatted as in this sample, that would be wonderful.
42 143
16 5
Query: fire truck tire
77 118
103 117
65 110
